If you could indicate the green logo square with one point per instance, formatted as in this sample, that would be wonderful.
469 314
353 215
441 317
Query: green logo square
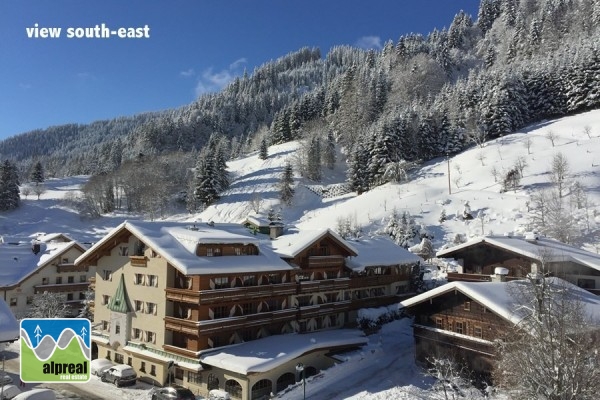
55 350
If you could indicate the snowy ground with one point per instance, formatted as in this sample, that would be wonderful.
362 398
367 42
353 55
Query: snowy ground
384 369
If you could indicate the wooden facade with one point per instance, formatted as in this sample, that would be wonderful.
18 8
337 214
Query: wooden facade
454 325
313 290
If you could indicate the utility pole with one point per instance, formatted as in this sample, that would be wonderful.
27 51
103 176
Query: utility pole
448 162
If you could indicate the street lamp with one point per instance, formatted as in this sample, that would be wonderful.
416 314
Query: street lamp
300 370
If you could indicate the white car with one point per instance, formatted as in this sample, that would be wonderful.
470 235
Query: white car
5 380
99 365
9 392
119 375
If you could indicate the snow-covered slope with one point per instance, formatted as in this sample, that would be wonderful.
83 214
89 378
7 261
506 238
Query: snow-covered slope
428 193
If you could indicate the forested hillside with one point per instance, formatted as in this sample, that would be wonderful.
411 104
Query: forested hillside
516 62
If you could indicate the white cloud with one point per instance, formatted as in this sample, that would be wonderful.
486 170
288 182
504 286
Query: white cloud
369 42
211 81
188 73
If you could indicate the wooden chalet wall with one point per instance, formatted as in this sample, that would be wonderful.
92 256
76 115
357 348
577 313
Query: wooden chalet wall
483 258
453 325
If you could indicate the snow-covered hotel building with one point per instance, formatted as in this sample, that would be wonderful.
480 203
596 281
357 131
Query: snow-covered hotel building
208 299
44 263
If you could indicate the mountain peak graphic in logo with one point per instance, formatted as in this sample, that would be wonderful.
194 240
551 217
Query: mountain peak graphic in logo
55 350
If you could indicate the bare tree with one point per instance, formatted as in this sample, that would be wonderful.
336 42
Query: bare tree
552 352
48 305
39 190
495 173
481 157
521 164
256 202
559 172
26 190
527 143
588 131
551 136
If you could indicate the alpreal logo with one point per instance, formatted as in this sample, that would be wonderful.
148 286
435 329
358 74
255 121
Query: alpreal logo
55 350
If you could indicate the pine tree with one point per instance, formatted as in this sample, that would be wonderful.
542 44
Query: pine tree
286 189
206 188
9 187
313 165
358 178
263 153
37 175
329 151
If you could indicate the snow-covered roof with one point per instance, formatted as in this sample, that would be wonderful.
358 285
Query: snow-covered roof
9 327
534 248
176 242
498 298
379 251
257 220
290 245
263 355
18 260
48 237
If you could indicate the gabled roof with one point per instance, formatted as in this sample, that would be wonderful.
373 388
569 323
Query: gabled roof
9 326
119 302
290 245
177 242
18 262
379 252
531 248
496 298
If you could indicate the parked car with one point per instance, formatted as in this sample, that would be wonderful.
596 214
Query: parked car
99 365
36 394
173 393
9 392
5 380
217 394
120 375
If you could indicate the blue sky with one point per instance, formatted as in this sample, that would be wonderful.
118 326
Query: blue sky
195 46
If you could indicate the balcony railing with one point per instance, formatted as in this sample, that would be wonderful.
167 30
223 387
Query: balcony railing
325 261
232 323
138 261
374 302
62 287
328 285
71 267
230 294
376 280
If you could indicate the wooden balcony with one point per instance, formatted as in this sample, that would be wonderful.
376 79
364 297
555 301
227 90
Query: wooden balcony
206 327
374 302
246 293
328 285
183 295
325 262
62 288
321 310
376 280
71 267
138 261
180 351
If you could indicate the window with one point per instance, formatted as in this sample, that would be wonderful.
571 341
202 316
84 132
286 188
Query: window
586 283
107 275
124 250
150 337
118 331
138 305
333 320
152 280
153 370
194 378
249 280
209 252
45 281
108 355
65 260
82 278
142 366
238 251
69 296
439 323
221 283
136 333
81 296
29 300
274 278
247 308
58 280
138 279
477 332
217 251
105 326
458 327
467 306
105 299
70 279
129 362
119 358
13 301
212 382
151 308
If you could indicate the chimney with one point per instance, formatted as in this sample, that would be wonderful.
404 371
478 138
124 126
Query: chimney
499 274
35 247
275 230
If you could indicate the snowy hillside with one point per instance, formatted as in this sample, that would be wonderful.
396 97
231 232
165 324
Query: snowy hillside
427 194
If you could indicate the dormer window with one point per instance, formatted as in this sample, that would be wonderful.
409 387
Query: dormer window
209 252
